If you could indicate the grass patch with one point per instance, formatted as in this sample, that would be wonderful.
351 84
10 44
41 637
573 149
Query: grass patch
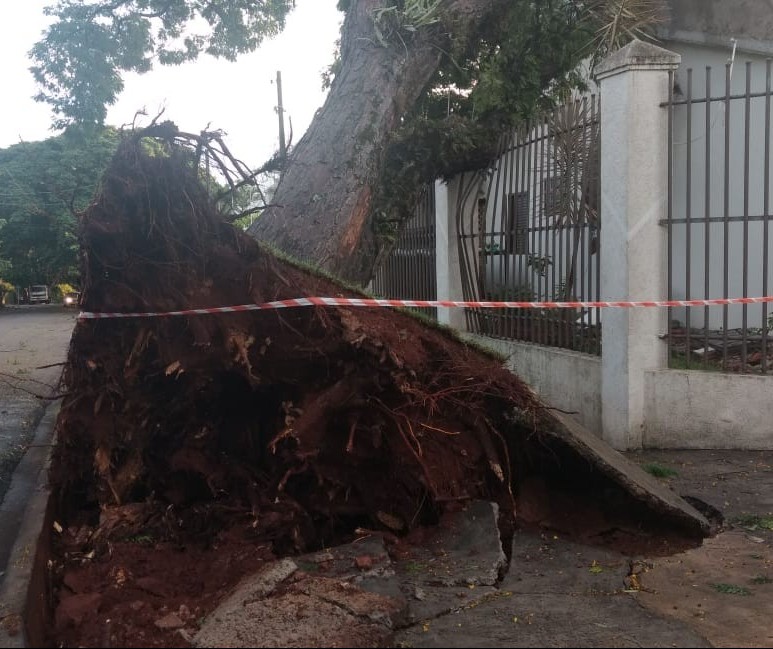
680 362
754 522
761 579
660 470
731 589
414 567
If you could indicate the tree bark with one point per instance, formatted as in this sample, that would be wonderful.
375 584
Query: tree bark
322 210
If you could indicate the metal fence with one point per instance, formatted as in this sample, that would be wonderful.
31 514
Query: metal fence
409 271
719 235
529 229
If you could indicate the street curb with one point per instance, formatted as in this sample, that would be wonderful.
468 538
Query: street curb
30 479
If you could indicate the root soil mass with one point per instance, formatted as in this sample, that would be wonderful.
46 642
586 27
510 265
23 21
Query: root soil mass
192 449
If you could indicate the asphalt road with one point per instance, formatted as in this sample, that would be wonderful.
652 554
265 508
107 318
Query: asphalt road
30 337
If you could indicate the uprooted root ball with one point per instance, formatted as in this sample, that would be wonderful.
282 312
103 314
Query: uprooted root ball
297 423
293 426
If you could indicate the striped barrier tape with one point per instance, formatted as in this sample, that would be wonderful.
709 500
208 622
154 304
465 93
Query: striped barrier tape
374 302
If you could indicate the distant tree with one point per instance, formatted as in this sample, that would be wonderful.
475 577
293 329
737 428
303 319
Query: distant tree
5 288
43 185
80 60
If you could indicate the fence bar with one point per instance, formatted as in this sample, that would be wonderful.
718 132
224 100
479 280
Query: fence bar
597 232
688 227
510 237
707 225
766 210
582 219
726 242
537 216
747 144
753 95
517 259
670 215
531 197
557 243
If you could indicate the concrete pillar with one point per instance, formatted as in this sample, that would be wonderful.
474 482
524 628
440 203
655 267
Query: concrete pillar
449 276
634 174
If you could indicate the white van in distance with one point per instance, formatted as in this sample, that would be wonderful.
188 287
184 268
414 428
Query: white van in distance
38 294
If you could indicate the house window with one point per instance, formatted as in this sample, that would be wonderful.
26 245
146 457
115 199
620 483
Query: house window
518 223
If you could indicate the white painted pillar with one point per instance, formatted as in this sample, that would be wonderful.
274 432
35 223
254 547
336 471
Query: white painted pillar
449 276
634 174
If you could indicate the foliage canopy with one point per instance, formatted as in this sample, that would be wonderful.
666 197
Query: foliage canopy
531 47
80 59
523 56
44 184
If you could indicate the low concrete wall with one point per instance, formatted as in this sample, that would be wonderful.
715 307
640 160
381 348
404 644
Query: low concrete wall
706 410
563 379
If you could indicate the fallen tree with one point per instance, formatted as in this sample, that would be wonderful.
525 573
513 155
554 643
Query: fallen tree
293 426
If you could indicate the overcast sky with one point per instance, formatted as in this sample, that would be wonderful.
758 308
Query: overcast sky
237 97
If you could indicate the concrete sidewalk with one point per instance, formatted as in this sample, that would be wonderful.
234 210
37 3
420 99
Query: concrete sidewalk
23 513
449 591
33 345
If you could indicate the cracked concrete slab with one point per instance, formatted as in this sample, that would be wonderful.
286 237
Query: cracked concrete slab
345 596
642 486
556 594
457 565
544 563
356 595
311 612
514 620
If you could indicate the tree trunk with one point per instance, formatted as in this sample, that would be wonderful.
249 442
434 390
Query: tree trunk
322 207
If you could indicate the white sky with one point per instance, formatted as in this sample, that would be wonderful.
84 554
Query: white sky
238 98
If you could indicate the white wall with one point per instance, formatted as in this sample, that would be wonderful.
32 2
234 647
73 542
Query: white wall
702 410
698 57
563 379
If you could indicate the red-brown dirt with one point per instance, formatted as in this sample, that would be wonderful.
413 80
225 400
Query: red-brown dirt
191 449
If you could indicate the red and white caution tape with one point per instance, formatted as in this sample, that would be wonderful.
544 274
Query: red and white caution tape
371 302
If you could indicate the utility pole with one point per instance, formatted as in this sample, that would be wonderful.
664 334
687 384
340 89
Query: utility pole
280 110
